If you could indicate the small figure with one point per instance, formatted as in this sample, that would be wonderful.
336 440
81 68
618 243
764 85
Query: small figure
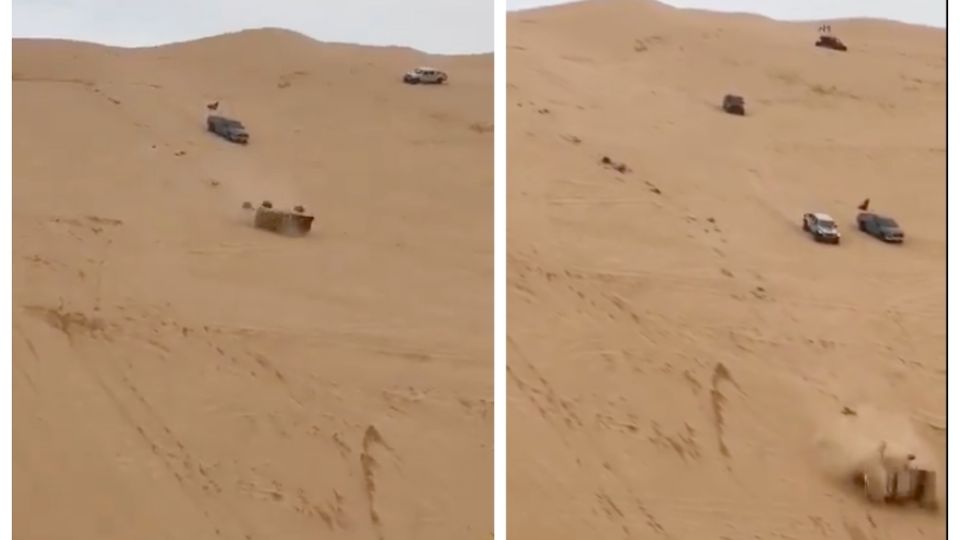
865 204
213 106
892 462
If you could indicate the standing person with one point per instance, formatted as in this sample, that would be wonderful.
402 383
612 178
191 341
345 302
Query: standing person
211 109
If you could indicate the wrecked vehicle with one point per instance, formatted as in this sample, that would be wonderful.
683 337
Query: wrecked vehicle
228 128
293 222
830 42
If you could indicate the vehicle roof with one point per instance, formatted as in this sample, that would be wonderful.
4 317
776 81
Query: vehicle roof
822 216
427 68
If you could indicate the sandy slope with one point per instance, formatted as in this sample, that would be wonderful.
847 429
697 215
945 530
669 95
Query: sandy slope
179 374
676 342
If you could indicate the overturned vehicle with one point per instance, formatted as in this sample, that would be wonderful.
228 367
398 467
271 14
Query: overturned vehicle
294 222
228 128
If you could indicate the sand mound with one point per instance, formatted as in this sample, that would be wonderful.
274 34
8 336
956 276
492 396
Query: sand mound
178 370
677 342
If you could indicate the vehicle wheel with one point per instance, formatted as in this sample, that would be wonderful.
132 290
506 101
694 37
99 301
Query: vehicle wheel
805 227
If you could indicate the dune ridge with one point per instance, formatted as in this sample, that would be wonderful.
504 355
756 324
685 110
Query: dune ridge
679 350
180 374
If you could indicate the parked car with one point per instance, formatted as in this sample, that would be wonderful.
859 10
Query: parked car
734 104
822 227
425 75
882 227
229 129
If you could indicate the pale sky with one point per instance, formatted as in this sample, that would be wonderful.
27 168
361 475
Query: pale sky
435 26
928 12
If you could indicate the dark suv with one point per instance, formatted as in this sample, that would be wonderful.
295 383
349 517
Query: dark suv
882 227
734 104
231 130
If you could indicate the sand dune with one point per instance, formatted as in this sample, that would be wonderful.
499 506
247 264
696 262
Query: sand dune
676 342
180 374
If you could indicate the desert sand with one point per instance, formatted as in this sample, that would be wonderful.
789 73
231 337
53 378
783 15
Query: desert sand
179 374
680 351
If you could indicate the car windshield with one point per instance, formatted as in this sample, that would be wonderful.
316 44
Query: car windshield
886 222
827 224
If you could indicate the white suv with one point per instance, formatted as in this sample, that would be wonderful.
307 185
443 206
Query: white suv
822 227
425 75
